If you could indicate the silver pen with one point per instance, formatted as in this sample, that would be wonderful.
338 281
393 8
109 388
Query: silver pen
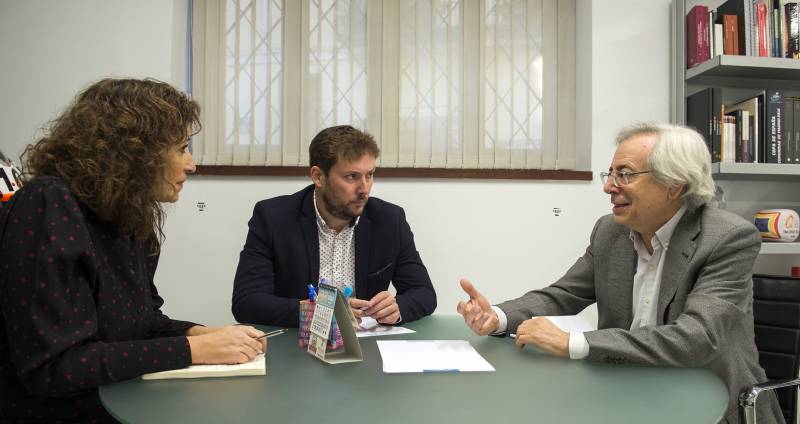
273 333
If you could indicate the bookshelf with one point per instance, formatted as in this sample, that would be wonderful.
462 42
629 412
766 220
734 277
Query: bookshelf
748 186
756 171
775 248
729 66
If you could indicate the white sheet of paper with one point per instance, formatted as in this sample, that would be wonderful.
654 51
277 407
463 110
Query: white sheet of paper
407 356
257 366
571 323
382 330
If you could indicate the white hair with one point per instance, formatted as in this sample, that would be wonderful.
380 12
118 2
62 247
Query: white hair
680 157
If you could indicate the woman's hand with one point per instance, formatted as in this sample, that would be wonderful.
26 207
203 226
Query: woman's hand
198 330
234 344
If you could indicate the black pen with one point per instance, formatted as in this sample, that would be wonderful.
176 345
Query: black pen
273 333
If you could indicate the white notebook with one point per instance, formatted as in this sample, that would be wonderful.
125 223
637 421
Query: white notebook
257 366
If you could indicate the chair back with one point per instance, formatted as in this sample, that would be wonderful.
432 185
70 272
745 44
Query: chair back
776 315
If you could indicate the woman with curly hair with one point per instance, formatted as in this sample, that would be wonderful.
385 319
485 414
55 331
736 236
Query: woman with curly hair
79 246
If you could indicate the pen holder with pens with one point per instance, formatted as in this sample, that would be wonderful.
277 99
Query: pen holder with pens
335 340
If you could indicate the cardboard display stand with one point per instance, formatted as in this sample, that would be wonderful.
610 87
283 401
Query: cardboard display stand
331 303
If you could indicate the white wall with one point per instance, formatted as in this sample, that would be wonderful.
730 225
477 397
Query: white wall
502 234
50 50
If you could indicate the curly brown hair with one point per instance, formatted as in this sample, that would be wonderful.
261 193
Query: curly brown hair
110 147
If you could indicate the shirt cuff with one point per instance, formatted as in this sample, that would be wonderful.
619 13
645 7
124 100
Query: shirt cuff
502 321
578 346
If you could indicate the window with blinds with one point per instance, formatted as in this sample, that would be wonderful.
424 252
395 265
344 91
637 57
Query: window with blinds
469 84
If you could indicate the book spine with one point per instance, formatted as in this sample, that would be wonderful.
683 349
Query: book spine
742 153
782 20
692 28
753 27
761 9
751 140
696 35
773 135
793 30
722 139
729 142
758 125
775 29
796 119
731 36
717 114
788 129
734 144
708 29
781 125
747 27
698 115
741 149
711 34
768 27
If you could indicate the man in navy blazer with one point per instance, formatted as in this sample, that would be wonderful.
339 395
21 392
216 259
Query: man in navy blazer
332 230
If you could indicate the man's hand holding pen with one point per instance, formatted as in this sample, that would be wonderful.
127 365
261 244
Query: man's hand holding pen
382 307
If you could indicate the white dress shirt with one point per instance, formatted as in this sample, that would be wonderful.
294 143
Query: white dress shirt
337 252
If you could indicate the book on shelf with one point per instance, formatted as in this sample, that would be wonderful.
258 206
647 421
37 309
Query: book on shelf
738 147
761 25
752 29
796 124
697 36
776 28
792 30
704 113
737 8
766 28
718 44
699 116
747 132
731 34
761 128
773 149
788 129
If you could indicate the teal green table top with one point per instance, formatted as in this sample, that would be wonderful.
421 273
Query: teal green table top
528 386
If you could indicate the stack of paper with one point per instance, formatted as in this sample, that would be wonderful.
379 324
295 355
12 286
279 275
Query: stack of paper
430 356
257 366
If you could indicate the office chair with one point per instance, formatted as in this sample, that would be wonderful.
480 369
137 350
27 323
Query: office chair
776 316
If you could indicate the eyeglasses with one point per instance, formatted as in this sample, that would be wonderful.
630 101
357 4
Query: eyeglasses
620 179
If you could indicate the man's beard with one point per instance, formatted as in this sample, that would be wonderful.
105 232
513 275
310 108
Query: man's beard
339 211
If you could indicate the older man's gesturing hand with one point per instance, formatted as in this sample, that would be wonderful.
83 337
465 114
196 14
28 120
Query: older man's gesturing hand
477 311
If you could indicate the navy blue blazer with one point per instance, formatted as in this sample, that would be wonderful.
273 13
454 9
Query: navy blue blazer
281 257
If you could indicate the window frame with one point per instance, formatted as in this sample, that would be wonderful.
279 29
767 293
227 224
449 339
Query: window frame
207 69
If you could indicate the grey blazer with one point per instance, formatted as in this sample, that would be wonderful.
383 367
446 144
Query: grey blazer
705 313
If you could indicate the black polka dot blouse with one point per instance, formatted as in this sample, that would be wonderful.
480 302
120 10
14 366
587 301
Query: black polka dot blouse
78 308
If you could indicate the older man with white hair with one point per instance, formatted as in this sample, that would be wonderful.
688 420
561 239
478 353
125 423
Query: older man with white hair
670 273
